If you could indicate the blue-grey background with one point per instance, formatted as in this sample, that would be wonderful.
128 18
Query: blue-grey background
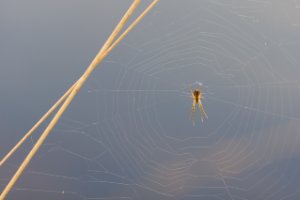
128 133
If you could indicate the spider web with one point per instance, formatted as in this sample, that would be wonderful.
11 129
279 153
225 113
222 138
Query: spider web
128 134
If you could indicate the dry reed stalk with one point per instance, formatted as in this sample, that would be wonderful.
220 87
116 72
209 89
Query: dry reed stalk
75 89
46 115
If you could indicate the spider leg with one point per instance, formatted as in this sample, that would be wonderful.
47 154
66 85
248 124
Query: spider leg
191 91
202 111
193 112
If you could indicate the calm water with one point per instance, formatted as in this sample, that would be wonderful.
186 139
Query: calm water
128 134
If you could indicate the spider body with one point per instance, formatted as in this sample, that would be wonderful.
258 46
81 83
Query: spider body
197 96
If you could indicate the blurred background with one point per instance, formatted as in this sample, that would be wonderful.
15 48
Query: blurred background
128 133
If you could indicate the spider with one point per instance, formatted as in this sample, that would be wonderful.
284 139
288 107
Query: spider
197 96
